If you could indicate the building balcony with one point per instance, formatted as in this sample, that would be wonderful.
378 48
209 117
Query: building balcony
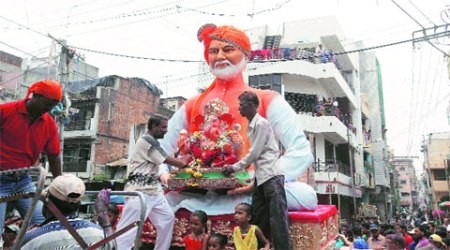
335 179
440 186
80 129
336 183
333 129
325 74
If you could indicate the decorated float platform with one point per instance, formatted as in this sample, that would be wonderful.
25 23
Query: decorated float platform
205 178
312 230
215 140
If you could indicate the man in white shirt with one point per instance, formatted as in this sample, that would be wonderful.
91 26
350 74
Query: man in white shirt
145 176
269 198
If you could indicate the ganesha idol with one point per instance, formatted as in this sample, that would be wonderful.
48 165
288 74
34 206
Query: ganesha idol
217 142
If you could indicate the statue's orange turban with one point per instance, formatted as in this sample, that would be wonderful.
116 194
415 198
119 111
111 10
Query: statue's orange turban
48 88
228 34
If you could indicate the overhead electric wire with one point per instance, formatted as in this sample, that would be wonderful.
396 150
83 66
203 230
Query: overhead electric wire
27 53
115 17
84 12
430 109
173 11
277 7
135 57
420 11
417 39
24 26
417 101
23 73
434 46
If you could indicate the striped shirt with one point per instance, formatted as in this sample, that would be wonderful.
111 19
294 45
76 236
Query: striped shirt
53 235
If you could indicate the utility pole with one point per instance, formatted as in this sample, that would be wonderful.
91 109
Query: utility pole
167 88
446 167
337 176
330 195
427 168
63 79
350 160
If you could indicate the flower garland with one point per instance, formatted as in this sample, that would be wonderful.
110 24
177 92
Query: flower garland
217 143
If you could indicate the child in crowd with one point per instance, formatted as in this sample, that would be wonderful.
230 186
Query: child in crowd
246 235
198 238
113 214
217 241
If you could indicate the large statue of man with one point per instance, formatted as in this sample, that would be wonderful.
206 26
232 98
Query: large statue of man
227 50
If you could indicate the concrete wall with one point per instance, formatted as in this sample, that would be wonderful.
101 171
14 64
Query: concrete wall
10 71
405 169
369 86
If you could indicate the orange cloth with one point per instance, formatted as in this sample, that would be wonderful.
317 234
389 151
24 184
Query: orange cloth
48 88
228 92
228 34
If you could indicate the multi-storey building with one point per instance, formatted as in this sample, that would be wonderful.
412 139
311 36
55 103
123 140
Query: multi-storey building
333 104
376 151
10 76
107 116
17 74
407 183
36 70
324 90
173 103
436 150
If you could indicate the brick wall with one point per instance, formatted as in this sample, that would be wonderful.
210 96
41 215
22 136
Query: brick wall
128 104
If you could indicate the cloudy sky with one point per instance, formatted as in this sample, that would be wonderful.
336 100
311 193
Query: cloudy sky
415 79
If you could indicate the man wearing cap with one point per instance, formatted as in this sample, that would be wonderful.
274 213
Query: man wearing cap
26 130
226 51
436 242
376 241
66 192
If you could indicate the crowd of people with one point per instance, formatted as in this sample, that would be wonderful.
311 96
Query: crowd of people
404 233
27 129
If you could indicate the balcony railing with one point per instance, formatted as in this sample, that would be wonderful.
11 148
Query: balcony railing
329 166
78 125
304 54
302 103
325 56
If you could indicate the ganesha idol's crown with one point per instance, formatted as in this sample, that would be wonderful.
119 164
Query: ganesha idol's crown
215 107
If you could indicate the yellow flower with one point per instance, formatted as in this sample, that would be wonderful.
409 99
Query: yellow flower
190 171
197 175
190 184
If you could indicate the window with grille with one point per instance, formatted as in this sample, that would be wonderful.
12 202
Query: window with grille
76 156
439 175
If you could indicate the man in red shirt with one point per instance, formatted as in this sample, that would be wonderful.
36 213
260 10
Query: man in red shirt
26 130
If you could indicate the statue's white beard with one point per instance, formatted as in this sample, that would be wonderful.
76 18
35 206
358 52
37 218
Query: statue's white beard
229 72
